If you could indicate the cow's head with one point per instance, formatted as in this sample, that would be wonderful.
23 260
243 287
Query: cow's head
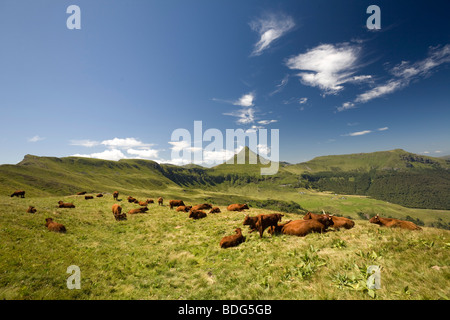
326 220
375 219
244 206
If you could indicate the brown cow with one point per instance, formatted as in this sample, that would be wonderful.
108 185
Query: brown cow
117 212
82 193
197 214
66 205
233 240
267 220
215 210
184 208
394 223
203 206
150 201
143 203
99 195
18 193
116 195
160 201
138 210
88 197
31 209
339 222
176 203
277 229
250 222
237 207
131 199
54 226
301 228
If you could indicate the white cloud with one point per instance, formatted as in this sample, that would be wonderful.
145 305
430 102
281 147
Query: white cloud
111 154
84 143
244 115
245 101
35 139
270 28
383 129
328 66
125 143
426 152
403 74
438 151
358 133
263 149
144 153
303 100
266 122
281 85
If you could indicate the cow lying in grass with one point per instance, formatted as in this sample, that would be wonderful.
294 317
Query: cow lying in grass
237 207
54 226
233 240
31 209
215 210
66 205
203 206
338 222
138 210
184 208
88 197
301 228
197 214
394 223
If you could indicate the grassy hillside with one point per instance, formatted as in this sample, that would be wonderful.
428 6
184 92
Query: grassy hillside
165 255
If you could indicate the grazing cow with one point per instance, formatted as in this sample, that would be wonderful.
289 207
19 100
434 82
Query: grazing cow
394 223
203 206
301 228
99 195
215 210
18 193
138 210
160 201
88 197
116 195
31 209
54 226
339 222
184 208
267 220
66 205
82 193
197 214
233 240
117 212
176 203
237 207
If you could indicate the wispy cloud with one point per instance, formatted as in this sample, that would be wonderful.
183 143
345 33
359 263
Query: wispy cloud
269 28
364 132
328 66
281 85
84 143
111 154
403 74
35 139
244 115
303 100
266 122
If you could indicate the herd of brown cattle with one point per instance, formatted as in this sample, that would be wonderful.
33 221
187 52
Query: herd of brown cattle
310 223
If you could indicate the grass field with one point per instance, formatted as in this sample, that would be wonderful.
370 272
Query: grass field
165 255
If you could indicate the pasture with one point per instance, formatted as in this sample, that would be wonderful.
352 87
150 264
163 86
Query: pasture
162 254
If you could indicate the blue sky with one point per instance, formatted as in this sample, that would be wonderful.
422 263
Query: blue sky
138 70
